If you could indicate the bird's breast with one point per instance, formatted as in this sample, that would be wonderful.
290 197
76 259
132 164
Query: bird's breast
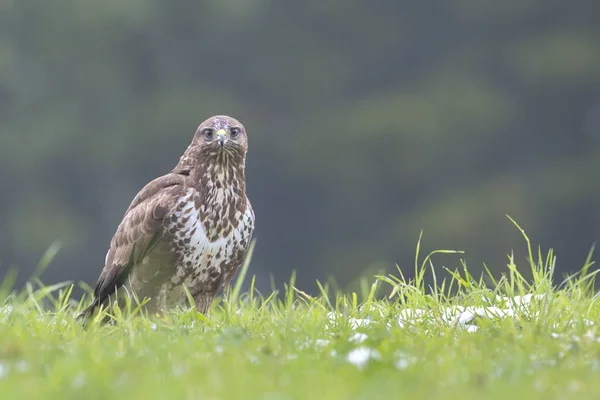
207 237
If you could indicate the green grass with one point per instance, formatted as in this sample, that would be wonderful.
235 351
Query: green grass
415 341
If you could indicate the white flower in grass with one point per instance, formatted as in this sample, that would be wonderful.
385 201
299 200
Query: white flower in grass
5 312
374 309
356 323
404 360
573 323
4 370
179 369
22 366
490 312
450 315
253 359
358 337
463 317
360 356
522 302
78 380
409 316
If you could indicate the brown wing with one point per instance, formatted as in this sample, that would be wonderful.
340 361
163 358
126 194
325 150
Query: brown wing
137 234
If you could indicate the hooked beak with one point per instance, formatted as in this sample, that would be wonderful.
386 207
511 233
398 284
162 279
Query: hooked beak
222 135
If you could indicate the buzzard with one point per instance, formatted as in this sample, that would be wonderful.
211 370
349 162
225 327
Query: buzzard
190 227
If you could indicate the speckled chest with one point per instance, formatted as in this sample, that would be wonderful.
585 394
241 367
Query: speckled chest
210 235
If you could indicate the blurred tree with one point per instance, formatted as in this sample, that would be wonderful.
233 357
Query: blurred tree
369 121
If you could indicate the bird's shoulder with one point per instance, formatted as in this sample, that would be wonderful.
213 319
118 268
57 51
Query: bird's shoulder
149 207
162 187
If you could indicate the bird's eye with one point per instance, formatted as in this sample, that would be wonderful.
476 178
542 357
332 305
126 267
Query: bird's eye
208 133
234 132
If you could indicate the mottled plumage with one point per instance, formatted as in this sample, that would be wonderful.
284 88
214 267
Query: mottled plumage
190 227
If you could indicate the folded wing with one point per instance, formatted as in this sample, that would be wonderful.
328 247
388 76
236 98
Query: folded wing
136 235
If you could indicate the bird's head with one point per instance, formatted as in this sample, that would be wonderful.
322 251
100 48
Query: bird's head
221 134
218 140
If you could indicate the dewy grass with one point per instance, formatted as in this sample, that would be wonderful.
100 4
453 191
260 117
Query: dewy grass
460 336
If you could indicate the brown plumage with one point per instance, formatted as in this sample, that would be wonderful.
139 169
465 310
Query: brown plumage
190 227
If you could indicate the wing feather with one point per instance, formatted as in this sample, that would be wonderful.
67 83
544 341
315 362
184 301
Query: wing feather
137 234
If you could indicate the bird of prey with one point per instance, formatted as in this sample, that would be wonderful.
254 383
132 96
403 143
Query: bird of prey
192 226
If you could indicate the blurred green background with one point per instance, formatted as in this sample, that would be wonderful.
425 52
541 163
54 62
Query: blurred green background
368 121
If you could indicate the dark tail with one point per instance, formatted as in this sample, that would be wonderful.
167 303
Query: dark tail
88 312
106 286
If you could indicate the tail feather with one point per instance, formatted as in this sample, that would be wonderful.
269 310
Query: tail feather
89 311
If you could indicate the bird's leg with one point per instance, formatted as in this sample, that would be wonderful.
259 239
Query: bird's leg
203 301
